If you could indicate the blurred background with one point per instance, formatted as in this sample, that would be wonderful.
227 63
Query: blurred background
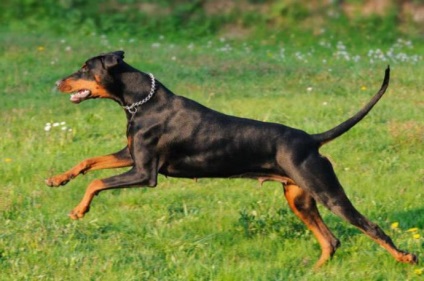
229 18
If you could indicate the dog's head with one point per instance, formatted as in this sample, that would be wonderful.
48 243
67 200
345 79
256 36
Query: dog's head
92 79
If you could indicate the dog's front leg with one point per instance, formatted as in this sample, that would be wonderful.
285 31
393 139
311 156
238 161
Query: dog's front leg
146 176
119 159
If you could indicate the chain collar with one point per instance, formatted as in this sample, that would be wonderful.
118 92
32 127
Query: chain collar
132 108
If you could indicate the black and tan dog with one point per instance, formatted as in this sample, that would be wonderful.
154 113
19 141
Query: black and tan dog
175 136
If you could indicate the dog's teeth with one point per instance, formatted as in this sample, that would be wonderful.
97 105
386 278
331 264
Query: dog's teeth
80 95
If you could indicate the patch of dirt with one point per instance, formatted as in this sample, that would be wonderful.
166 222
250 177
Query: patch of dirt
408 133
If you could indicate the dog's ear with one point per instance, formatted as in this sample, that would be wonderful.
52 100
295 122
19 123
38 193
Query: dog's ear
112 59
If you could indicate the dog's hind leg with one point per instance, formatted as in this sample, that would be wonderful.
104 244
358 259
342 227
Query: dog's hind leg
304 206
316 175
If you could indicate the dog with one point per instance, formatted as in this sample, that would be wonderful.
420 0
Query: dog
178 137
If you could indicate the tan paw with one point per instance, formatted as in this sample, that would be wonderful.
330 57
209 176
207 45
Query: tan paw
78 212
57 180
408 258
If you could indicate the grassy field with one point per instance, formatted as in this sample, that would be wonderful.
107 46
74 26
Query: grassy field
210 229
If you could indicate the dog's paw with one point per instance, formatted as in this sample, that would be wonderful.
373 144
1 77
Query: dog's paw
57 180
408 258
78 212
402 256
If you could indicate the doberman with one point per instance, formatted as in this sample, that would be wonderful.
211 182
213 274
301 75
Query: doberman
175 136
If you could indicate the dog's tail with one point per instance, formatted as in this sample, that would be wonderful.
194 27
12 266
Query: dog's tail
342 128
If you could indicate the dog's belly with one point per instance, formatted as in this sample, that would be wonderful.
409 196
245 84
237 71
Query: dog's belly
218 164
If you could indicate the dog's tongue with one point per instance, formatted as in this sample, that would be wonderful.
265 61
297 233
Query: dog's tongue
79 96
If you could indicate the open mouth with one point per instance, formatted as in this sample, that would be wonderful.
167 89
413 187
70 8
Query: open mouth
79 96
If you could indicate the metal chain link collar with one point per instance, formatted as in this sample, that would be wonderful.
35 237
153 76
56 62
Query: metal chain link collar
132 108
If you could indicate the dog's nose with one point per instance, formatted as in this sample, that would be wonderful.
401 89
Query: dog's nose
58 82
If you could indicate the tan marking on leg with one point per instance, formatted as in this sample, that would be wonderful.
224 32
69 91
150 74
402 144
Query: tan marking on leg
304 206
95 163
84 206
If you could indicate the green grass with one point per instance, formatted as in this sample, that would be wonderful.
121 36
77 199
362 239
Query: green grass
210 229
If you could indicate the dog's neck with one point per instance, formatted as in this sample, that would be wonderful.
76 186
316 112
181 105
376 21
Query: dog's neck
132 108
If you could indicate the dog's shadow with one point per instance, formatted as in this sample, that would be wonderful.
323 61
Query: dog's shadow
410 219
